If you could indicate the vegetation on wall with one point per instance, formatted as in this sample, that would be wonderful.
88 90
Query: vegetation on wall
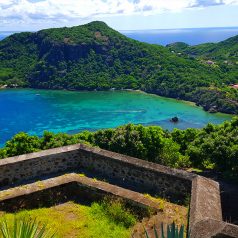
213 147
94 56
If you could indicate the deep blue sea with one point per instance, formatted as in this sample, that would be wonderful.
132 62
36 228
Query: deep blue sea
191 36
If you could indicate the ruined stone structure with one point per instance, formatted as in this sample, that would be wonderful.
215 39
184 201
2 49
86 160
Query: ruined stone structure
58 171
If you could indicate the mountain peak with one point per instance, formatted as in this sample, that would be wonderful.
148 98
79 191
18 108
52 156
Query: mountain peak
95 31
96 23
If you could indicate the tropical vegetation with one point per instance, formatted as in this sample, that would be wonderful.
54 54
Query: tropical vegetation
96 57
24 229
173 231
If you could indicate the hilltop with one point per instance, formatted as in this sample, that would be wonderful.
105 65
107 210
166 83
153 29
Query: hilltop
223 54
94 56
224 50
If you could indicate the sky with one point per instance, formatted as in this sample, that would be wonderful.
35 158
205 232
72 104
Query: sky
32 15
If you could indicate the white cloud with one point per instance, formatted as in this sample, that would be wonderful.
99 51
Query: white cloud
65 10
235 2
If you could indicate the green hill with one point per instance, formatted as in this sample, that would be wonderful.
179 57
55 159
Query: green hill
224 50
94 56
223 54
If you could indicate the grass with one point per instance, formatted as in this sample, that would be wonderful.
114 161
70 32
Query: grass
107 219
104 220
161 201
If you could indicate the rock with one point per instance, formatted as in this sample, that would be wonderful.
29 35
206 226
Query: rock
3 86
212 109
174 119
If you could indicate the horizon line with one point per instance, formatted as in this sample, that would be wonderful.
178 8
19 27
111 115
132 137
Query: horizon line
152 29
181 28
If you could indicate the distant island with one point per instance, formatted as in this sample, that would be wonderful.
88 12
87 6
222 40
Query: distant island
96 57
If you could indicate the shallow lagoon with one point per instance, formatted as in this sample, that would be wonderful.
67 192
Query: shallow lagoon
34 111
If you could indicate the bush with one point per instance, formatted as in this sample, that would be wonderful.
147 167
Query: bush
147 143
22 143
116 212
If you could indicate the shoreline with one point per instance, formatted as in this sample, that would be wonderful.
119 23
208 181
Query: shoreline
180 100
121 90
4 86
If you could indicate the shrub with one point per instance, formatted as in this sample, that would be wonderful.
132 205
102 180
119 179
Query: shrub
173 231
22 143
116 211
24 229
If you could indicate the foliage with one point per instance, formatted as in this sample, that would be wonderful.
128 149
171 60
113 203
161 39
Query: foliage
115 211
224 50
213 147
24 229
173 231
148 143
21 144
94 56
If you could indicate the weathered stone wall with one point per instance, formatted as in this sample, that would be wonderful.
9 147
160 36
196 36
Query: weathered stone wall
143 176
205 220
205 190
146 177
205 213
73 187
21 168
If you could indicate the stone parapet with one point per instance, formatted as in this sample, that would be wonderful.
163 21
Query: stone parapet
205 216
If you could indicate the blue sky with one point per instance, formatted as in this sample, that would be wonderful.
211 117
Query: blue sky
21 15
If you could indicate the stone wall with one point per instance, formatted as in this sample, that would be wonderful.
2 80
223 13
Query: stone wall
205 218
145 176
205 213
26 167
123 170
73 187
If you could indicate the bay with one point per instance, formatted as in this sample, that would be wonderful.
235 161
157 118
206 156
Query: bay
34 111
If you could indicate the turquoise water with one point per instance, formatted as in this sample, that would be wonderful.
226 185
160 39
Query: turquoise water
34 111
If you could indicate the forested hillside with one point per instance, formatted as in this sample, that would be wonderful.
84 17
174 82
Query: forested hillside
222 55
94 56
